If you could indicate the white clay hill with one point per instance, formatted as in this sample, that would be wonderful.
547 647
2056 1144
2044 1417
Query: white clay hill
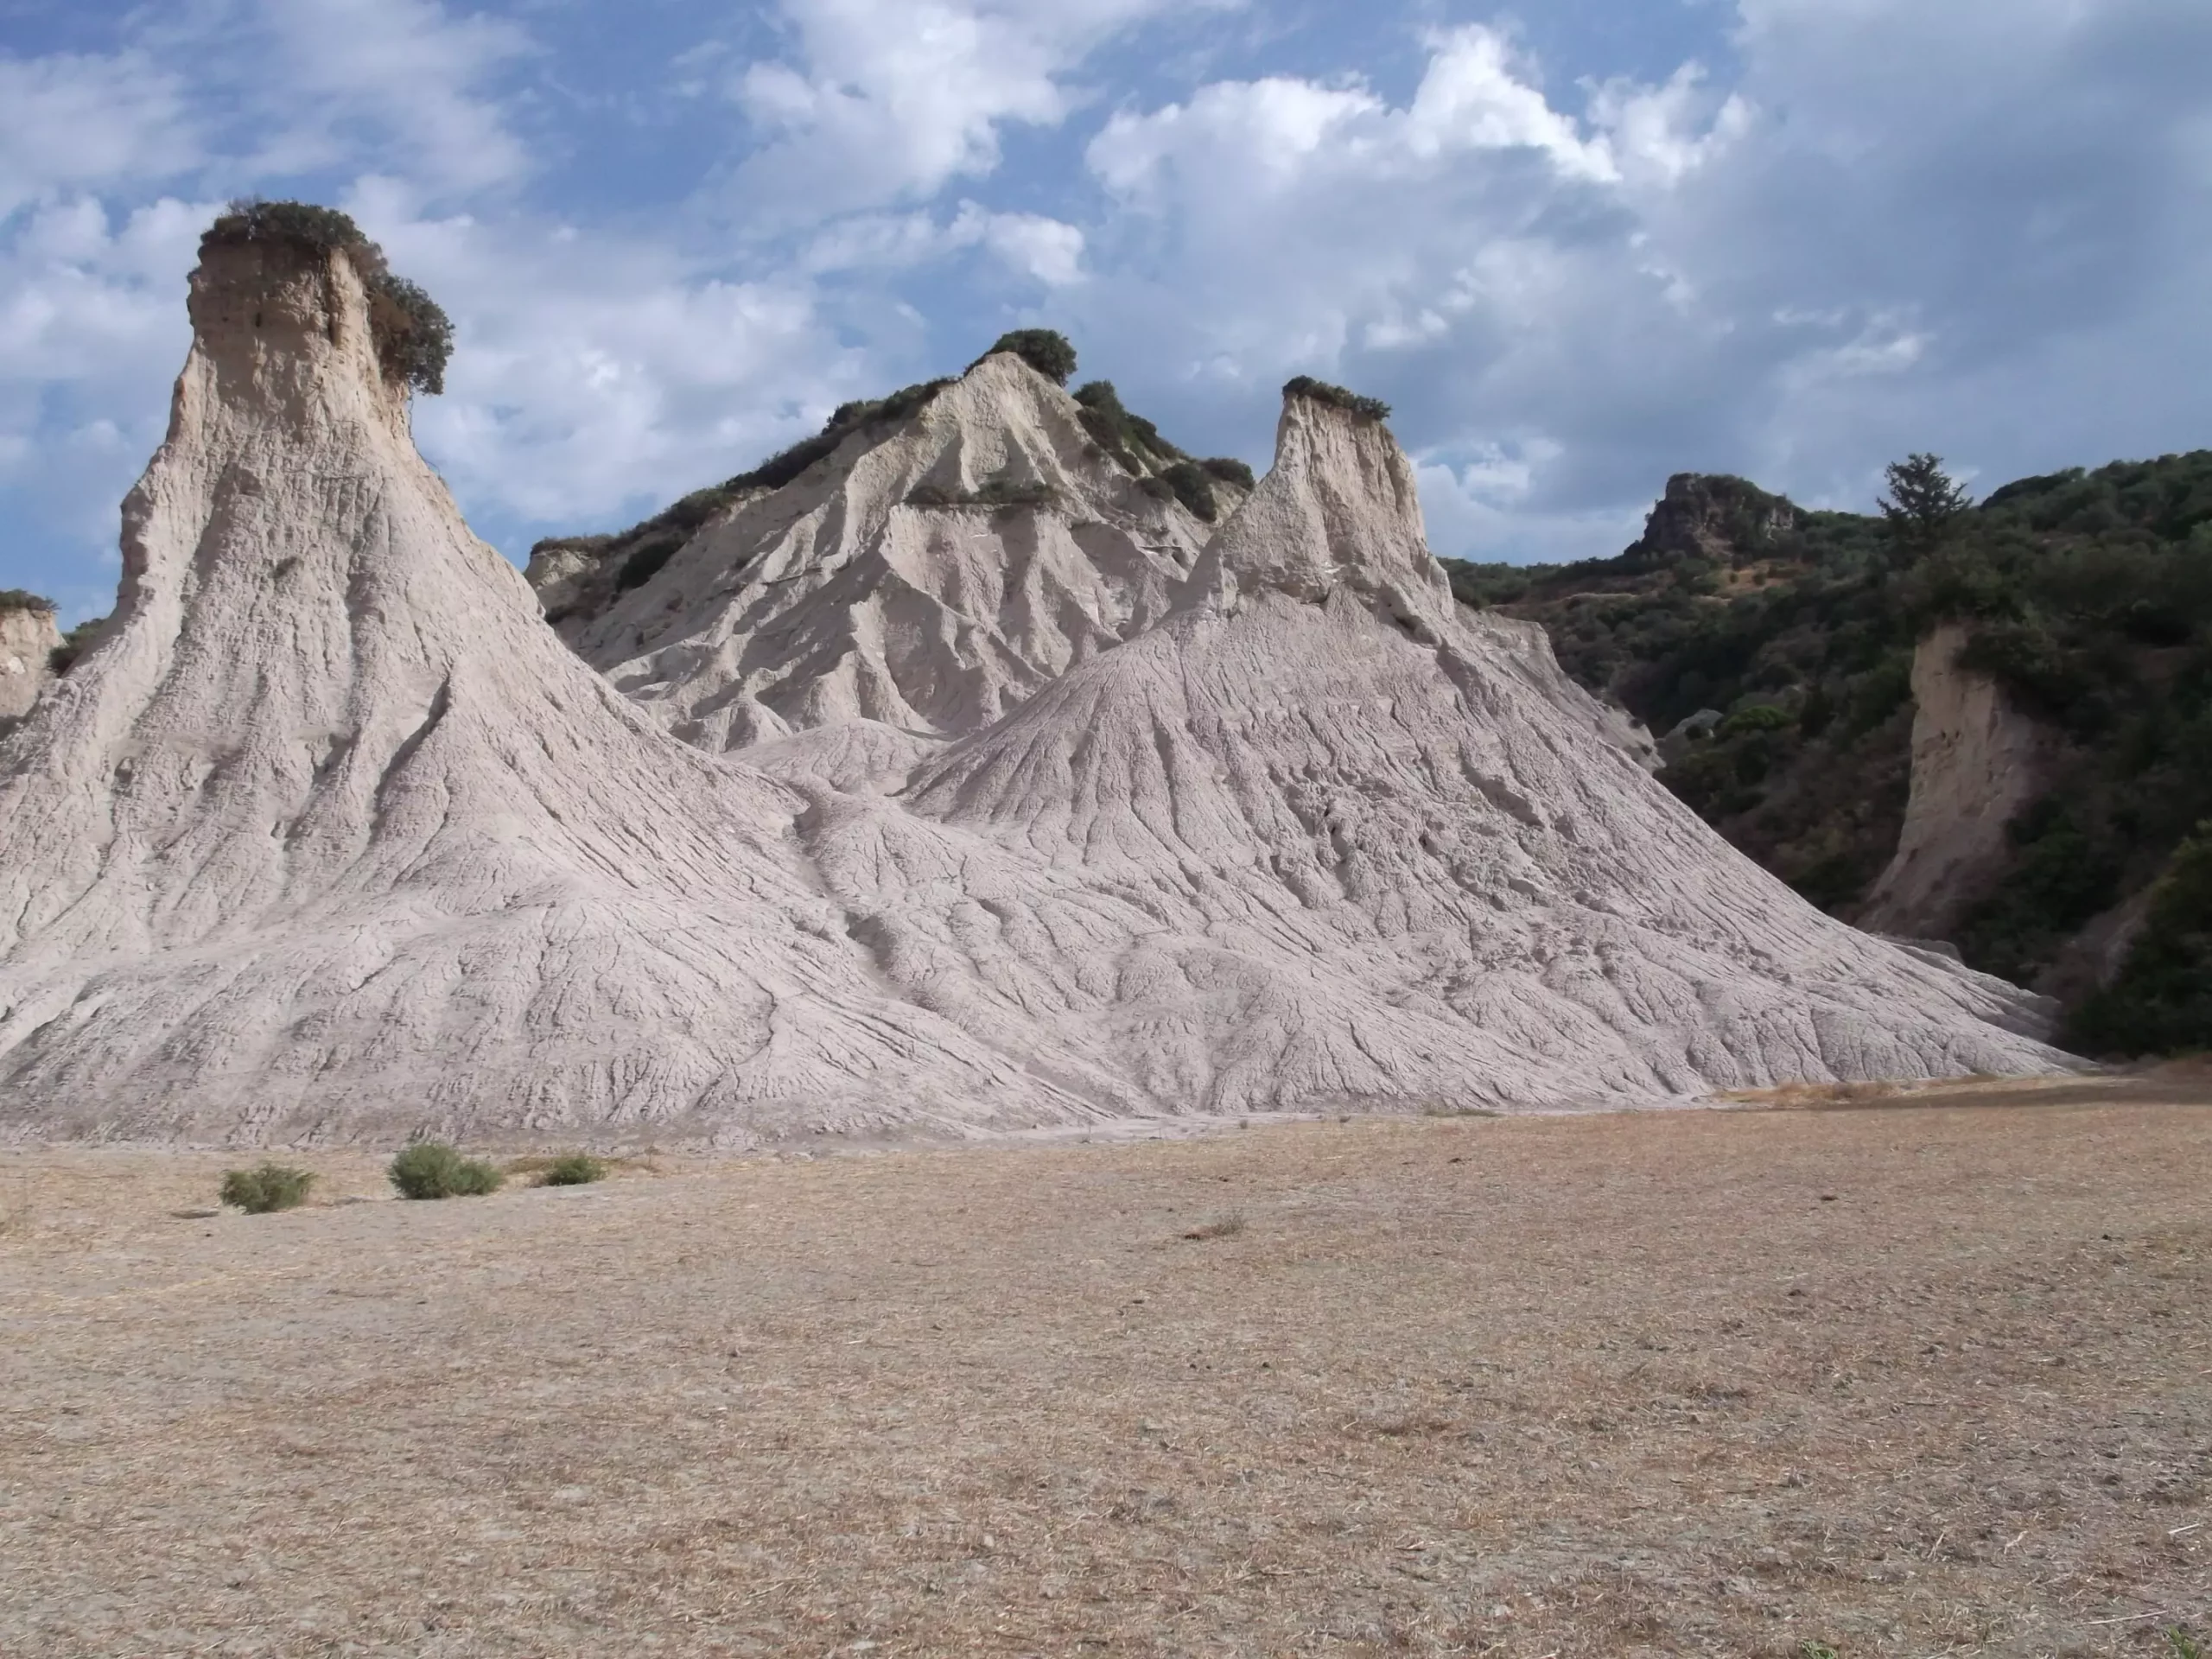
931 814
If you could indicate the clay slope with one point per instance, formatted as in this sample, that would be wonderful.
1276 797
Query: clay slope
926 577
1322 834
331 836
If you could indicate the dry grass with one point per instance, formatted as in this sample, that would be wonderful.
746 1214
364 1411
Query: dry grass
1611 1385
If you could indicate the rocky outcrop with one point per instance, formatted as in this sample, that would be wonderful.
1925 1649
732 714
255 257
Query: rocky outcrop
1712 516
28 638
1977 761
330 837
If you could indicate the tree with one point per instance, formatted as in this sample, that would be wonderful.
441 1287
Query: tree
1923 506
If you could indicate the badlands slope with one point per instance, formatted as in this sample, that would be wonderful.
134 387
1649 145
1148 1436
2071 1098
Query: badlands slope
985 819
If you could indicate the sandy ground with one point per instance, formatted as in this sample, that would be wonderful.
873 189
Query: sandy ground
1930 1378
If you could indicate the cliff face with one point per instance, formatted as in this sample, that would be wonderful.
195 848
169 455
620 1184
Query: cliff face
329 835
29 637
1977 762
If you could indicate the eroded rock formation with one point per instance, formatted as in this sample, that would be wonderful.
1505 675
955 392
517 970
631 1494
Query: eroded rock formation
1977 760
331 836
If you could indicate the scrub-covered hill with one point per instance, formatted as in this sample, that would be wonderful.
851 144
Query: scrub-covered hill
2054 644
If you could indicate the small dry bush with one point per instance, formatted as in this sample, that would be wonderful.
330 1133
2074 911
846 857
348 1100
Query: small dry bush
1225 1227
267 1188
433 1170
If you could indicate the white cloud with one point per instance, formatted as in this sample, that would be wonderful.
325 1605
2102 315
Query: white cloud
71 123
891 101
1902 226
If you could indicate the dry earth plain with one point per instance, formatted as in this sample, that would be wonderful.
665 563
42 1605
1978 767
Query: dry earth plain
1921 1378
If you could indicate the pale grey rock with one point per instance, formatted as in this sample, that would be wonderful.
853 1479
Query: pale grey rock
331 836
29 638
1977 760
837 598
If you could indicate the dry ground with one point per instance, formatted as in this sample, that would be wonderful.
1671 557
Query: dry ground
1913 1380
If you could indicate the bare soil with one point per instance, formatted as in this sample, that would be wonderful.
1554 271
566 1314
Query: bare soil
1935 1378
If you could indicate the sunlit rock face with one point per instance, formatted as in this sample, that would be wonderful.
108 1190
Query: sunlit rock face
886 818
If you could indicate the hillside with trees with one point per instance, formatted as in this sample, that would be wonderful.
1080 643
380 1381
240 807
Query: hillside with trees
1771 647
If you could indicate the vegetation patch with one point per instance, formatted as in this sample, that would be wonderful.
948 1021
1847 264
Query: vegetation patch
2161 1001
431 1169
413 334
1229 470
266 1188
993 493
1045 350
2086 594
16 599
1320 391
1133 442
573 1169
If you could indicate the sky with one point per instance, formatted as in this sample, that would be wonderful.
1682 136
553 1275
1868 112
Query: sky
1580 245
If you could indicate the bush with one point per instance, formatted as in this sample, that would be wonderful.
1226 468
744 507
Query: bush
998 493
414 336
781 469
431 1169
573 1169
642 566
75 644
1229 470
271 1187
2160 1002
1359 408
1193 487
15 599
1133 442
1045 350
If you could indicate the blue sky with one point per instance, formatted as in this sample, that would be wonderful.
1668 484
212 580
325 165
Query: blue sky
1579 245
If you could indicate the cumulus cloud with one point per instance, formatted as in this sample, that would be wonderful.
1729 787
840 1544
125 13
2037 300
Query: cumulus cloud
1897 224
883 101
71 123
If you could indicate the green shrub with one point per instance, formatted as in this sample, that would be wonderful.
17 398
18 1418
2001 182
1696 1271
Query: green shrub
1045 350
1759 717
1229 470
1359 408
573 1169
414 336
2160 1002
1193 488
266 1188
1133 442
643 565
997 492
75 644
431 1169
15 599
781 469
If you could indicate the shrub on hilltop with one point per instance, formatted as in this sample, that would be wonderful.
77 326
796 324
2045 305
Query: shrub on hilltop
18 599
413 334
1045 350
1320 391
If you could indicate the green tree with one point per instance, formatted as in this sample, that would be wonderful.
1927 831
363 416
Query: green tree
1923 507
